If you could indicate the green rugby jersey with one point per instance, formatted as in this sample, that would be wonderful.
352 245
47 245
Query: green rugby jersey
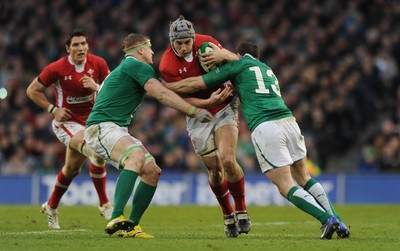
257 88
121 93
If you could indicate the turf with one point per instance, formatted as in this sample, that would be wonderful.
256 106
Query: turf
199 228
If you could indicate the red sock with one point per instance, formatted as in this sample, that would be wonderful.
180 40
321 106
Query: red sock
60 188
222 195
98 175
237 191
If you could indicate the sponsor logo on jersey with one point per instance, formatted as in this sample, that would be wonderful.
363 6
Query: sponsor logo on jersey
68 77
78 100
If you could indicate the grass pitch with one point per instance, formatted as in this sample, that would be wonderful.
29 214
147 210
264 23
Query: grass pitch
199 228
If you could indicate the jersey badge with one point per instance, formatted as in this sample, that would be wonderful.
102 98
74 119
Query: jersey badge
90 72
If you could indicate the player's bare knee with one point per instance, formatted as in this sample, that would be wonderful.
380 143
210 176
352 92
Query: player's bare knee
216 177
228 162
135 161
151 173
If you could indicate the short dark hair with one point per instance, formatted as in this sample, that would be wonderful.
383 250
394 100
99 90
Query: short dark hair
75 33
248 47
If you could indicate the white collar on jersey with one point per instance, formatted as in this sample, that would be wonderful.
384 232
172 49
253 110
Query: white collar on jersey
247 54
189 58
131 57
78 67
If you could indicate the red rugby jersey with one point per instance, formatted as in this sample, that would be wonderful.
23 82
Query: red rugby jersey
70 93
173 68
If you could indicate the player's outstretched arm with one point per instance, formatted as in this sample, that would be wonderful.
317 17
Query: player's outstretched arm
155 89
187 85
216 98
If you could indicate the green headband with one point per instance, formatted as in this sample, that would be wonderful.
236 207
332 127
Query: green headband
138 47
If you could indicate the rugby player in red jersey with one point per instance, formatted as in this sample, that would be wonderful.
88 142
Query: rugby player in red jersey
215 142
75 79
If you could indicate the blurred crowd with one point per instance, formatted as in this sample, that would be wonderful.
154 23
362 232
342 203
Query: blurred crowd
337 63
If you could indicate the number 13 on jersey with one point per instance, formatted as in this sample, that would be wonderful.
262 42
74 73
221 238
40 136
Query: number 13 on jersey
261 84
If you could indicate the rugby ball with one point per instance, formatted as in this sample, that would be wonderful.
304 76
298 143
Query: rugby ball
205 47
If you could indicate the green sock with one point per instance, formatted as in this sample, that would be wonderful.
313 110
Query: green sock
123 190
141 200
318 192
307 203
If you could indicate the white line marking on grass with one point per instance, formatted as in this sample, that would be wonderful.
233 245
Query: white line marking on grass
275 223
46 232
269 235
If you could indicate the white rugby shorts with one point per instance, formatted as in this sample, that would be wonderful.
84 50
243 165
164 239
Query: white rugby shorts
102 138
278 143
202 134
64 131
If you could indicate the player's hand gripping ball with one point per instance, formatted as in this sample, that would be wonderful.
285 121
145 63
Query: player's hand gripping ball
205 47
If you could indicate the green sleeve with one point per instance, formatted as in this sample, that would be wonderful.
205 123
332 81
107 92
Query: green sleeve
219 75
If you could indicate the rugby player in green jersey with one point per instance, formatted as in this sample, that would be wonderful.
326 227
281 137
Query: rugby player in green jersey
276 136
107 131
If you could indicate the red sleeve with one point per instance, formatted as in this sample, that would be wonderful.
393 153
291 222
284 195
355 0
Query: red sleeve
200 38
49 75
215 41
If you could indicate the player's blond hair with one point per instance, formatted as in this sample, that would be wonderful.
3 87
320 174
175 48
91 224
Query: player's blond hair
133 40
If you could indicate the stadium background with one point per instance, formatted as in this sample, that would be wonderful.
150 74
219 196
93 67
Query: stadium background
336 61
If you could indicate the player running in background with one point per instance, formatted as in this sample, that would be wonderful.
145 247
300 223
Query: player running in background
75 81
107 131
276 136
214 142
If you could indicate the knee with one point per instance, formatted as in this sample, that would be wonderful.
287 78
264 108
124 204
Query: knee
230 165
135 162
71 172
229 162
151 173
216 176
154 172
